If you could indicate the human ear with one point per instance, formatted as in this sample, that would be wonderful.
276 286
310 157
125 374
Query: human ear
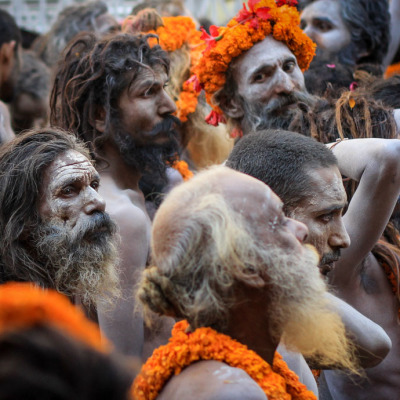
7 55
7 51
100 121
234 109
230 105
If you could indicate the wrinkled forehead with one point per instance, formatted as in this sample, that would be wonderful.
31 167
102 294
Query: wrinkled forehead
269 51
69 163
331 9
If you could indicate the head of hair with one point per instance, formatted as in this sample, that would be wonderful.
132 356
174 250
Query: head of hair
281 160
9 30
368 22
40 362
23 162
71 21
327 73
385 91
92 77
201 251
33 83
170 8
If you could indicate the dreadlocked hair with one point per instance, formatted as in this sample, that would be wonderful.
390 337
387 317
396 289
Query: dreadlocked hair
91 78
388 256
354 115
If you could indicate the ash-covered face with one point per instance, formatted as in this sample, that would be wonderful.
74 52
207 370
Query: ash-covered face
144 130
323 23
268 73
75 239
70 191
322 213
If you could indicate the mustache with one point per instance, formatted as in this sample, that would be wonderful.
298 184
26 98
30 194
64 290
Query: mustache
168 124
99 223
283 100
330 257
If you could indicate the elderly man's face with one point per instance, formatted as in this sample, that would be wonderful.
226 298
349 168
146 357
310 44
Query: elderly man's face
268 74
76 237
69 191
323 23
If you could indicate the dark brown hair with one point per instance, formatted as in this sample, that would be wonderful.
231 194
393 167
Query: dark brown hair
41 363
91 78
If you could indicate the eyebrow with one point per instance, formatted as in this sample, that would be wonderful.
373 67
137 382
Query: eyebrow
335 207
323 19
264 67
71 181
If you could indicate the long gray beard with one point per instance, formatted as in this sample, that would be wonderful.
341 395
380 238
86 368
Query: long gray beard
259 117
80 264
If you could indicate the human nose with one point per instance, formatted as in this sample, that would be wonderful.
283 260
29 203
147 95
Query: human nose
340 238
167 105
284 83
94 202
299 229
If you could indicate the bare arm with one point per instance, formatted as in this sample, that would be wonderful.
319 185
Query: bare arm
212 380
371 341
394 9
119 322
6 132
375 164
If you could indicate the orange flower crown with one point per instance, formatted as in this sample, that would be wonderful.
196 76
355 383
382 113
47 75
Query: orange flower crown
278 18
173 35
23 305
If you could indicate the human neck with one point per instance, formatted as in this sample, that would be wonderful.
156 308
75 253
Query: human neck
124 175
249 324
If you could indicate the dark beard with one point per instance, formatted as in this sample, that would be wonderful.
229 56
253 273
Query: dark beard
79 263
149 158
276 114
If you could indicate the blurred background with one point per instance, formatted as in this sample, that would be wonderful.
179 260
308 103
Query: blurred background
38 15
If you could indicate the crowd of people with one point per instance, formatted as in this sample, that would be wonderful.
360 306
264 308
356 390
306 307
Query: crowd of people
191 211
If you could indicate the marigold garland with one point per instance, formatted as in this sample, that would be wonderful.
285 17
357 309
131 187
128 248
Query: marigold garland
392 70
173 35
24 305
183 349
265 17
183 168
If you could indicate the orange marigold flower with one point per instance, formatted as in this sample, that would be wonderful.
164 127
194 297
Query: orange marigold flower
185 348
23 305
250 26
183 168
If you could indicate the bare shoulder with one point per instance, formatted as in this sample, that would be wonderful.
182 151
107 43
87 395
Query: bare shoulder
126 209
212 380
133 223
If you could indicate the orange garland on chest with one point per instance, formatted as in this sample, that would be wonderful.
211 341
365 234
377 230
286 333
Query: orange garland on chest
183 349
